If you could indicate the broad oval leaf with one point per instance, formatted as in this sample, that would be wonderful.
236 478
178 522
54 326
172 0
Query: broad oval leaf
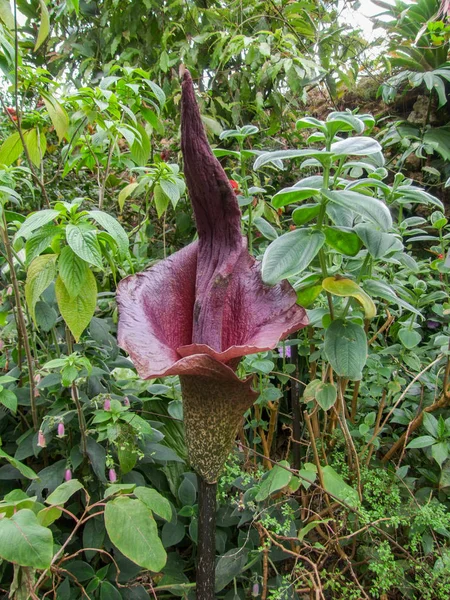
348 288
73 271
344 241
371 208
113 227
64 491
304 214
326 395
84 243
278 478
356 146
36 220
24 541
265 228
346 348
293 194
155 502
132 529
278 155
77 311
40 275
290 254
378 243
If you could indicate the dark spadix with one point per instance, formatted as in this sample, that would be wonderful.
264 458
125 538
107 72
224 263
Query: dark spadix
196 313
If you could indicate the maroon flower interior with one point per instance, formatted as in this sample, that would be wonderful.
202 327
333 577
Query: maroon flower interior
205 305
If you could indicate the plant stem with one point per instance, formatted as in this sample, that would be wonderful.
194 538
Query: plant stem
21 322
206 539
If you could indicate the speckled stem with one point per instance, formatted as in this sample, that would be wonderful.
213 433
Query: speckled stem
206 539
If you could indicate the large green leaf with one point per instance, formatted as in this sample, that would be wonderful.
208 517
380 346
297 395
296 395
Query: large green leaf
36 220
44 27
334 484
64 492
346 348
77 311
155 502
290 254
378 243
278 155
347 288
278 478
40 275
132 529
25 542
293 194
58 116
344 241
371 208
84 243
11 149
356 146
73 271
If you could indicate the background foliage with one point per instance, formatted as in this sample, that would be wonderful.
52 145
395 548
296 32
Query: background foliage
338 150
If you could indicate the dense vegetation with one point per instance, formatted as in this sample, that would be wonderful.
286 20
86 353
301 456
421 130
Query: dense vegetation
338 149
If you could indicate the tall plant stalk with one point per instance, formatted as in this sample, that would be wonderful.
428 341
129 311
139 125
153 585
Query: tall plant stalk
206 539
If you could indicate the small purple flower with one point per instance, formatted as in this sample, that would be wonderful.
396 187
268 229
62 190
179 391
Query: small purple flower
433 324
61 430
68 475
41 439
112 475
285 351
126 401
255 590
107 404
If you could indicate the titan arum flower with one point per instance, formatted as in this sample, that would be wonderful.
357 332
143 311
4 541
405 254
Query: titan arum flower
196 313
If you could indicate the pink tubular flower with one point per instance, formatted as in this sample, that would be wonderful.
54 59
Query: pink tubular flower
112 475
107 404
198 312
126 401
41 439
68 475
61 430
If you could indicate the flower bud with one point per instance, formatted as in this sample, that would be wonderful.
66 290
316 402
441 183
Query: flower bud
126 401
68 475
107 404
255 590
112 475
41 439
61 430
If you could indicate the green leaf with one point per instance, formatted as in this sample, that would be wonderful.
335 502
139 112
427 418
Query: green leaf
356 146
335 485
382 290
161 200
293 194
371 208
124 193
73 271
290 254
48 515
12 147
77 312
378 243
36 221
40 275
346 348
171 190
326 395
132 529
25 542
348 288
422 441
85 244
307 295
187 492
44 27
40 240
439 452
278 155
113 227
6 15
109 592
140 150
8 399
304 214
119 488
155 502
58 116
344 241
127 459
23 469
229 566
36 144
265 228
277 479
409 338
63 492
